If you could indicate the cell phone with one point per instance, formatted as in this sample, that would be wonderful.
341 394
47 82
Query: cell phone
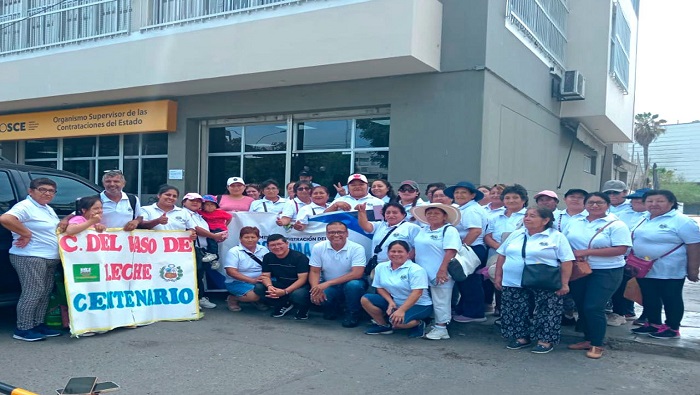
80 385
107 386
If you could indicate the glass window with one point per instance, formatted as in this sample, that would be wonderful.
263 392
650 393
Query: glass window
69 190
371 133
131 144
109 146
104 165
154 173
83 168
258 168
7 194
154 144
39 149
318 135
131 175
226 139
79 147
327 168
266 138
374 165
51 164
220 169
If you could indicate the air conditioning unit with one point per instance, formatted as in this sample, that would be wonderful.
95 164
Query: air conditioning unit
573 86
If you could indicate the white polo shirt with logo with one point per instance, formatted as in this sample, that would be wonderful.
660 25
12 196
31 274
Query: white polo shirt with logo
267 206
400 282
562 218
42 221
580 231
473 216
431 246
310 210
116 215
237 258
334 263
292 208
370 200
656 237
178 219
406 231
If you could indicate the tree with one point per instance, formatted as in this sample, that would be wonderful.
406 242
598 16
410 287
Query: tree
647 128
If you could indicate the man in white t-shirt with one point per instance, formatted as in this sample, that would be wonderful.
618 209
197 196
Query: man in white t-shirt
337 266
358 193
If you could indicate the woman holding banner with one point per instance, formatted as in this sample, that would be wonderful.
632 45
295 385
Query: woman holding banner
319 204
394 227
34 255
243 269
165 215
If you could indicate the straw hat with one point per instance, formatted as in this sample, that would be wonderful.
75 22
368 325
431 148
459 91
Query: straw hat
453 214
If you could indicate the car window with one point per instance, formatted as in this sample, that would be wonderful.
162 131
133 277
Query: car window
69 190
7 194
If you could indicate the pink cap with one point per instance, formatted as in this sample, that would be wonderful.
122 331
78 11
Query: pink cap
549 193
192 196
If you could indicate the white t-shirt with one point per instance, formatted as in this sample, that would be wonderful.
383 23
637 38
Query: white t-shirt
409 206
292 208
548 247
580 231
500 223
400 282
42 221
631 218
431 246
562 218
620 208
116 215
370 200
177 217
473 216
237 258
197 220
334 263
406 231
267 206
656 237
310 210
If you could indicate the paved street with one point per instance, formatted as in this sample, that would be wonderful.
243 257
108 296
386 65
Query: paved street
252 353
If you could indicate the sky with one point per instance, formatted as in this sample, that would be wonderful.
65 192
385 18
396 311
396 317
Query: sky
668 63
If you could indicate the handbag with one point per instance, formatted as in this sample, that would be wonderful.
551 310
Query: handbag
374 261
464 263
639 267
540 275
581 268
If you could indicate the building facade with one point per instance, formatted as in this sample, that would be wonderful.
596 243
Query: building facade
674 150
401 89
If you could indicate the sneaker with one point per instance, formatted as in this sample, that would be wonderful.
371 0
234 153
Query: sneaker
630 317
464 320
641 321
379 330
43 329
438 333
645 329
609 307
351 320
215 265
516 345
204 302
540 349
616 320
281 310
302 314
209 257
28 335
665 332
417 331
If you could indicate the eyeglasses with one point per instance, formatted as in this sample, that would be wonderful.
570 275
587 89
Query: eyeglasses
612 193
303 189
594 203
45 191
335 232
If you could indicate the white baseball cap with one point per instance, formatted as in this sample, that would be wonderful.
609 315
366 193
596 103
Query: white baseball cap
235 180
357 177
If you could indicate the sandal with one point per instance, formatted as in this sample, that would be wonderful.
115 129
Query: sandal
233 304
584 345
595 352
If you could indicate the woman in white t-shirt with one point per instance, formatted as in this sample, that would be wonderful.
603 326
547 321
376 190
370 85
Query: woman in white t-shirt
165 215
609 239
673 240
436 244
34 255
243 269
319 204
536 243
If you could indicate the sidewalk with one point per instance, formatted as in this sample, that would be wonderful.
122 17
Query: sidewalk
620 338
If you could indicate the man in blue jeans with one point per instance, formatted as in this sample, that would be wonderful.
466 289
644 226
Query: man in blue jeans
336 269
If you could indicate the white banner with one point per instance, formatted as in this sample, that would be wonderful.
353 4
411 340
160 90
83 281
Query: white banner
118 278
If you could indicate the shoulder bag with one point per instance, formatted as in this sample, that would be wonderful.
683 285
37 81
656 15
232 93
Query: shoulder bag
540 275
464 263
639 267
581 267
373 261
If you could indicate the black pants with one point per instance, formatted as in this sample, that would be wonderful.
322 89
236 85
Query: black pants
471 301
213 245
666 294
622 305
300 296
591 293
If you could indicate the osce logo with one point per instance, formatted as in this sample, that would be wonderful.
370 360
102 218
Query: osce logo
13 127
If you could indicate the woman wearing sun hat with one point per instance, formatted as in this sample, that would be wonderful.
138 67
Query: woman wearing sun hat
471 232
436 244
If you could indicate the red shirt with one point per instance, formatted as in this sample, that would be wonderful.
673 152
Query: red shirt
216 219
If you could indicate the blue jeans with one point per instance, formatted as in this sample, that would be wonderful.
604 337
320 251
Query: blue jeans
350 292
591 293
416 312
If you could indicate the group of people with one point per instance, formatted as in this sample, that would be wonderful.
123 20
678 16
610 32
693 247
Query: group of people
407 282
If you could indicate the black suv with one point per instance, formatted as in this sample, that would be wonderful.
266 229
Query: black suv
14 183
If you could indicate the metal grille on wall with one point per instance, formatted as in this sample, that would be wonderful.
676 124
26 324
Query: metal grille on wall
544 22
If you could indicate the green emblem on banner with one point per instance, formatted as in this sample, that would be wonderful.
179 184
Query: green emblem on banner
86 272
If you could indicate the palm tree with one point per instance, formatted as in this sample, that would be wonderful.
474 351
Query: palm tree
647 128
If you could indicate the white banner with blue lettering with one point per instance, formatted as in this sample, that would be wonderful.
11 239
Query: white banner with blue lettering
302 241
